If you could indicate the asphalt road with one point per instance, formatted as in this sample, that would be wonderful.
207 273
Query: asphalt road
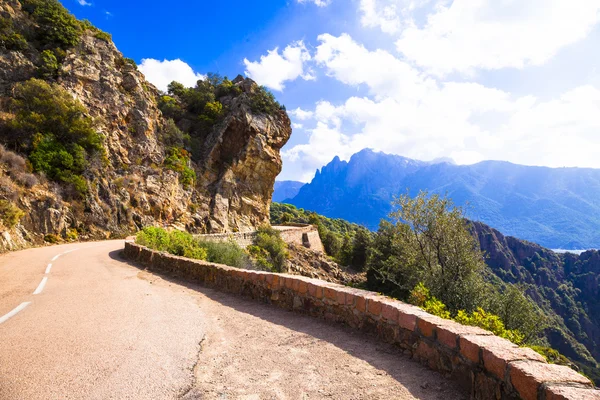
77 322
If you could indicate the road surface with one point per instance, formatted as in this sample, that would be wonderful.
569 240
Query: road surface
78 322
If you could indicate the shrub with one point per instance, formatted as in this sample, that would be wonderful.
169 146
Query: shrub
173 136
49 65
72 235
56 25
421 297
12 160
177 161
183 244
489 322
52 238
51 126
107 37
10 214
270 240
25 179
170 107
228 253
153 238
263 101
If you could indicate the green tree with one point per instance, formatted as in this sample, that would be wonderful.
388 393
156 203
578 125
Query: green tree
361 245
430 242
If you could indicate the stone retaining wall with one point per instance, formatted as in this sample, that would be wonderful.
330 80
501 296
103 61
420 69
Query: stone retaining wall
300 234
491 367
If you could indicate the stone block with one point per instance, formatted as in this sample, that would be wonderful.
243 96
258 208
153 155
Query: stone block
470 345
496 359
570 393
427 324
330 293
390 312
361 304
374 306
448 333
341 297
350 299
528 376
302 287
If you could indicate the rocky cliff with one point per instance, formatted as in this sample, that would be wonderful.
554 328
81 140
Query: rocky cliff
131 181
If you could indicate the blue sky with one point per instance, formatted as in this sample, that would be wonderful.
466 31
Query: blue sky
515 80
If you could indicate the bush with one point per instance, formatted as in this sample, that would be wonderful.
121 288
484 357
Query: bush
10 214
177 161
275 248
52 238
49 65
185 245
490 322
107 37
263 101
421 297
51 127
228 253
56 25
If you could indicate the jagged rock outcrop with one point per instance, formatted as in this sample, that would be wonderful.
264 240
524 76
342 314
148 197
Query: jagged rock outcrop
131 187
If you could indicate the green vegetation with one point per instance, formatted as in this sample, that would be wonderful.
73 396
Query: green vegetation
107 37
268 250
9 39
226 252
51 127
49 65
348 244
263 101
178 161
57 27
197 110
10 214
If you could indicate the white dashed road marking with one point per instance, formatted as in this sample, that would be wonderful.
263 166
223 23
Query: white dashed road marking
56 257
14 312
41 285
48 268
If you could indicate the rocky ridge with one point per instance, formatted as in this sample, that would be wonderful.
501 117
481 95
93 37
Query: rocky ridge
132 187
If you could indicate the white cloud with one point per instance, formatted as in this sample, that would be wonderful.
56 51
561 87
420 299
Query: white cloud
417 116
274 69
297 126
318 3
376 14
301 114
84 3
465 35
161 73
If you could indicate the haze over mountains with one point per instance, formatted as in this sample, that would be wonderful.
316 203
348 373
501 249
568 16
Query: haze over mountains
555 207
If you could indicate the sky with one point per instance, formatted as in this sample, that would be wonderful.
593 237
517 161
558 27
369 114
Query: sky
473 80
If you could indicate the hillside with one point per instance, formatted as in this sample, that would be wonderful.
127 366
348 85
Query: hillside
558 208
92 150
566 286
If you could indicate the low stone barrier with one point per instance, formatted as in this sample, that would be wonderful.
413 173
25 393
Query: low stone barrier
300 234
489 366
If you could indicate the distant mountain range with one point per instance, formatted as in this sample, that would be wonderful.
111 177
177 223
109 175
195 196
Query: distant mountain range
555 207
286 190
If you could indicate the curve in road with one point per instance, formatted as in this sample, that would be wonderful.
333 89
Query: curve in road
78 322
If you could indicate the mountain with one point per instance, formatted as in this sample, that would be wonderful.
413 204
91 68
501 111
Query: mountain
284 190
556 207
565 286
90 149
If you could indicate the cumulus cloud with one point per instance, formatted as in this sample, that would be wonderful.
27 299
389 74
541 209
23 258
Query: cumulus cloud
465 35
84 3
161 73
301 114
274 69
318 3
413 114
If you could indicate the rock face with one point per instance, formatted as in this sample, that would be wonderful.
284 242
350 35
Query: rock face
132 188
240 163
